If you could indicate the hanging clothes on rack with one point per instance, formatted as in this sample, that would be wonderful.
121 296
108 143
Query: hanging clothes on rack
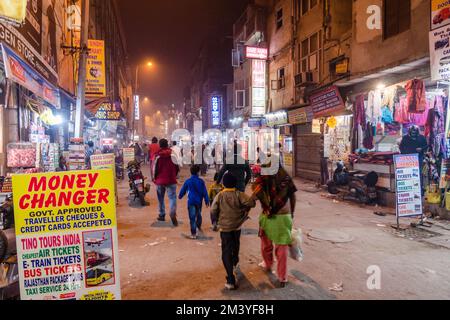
389 95
416 96
374 104
420 119
435 128
368 136
401 111
359 112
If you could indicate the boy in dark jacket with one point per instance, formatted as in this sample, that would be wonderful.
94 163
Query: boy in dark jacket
230 208
196 189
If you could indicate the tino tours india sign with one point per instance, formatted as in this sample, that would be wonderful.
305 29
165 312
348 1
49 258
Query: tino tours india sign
66 229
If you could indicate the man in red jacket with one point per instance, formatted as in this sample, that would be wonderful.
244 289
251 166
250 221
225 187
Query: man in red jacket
165 177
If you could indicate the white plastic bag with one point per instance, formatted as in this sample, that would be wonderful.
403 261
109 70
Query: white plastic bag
295 249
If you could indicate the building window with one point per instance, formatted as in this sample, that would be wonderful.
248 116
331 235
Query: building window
240 99
397 17
310 51
281 77
279 18
307 5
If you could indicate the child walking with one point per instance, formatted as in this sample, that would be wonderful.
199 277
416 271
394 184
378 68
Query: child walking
230 209
196 189
214 190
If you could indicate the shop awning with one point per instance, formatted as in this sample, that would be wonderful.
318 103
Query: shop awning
20 72
397 70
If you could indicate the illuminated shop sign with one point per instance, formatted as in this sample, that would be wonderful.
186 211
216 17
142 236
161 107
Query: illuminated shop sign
136 108
259 90
216 106
256 53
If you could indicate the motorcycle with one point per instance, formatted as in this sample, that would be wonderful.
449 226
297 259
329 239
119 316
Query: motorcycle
138 188
9 269
354 186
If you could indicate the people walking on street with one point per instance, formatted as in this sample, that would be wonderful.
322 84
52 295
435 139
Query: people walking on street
277 196
90 150
240 168
165 177
145 151
214 190
230 208
153 150
138 152
176 154
197 193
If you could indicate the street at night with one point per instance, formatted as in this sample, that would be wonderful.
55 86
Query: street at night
216 158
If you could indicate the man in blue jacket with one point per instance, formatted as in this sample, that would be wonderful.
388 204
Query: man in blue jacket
197 192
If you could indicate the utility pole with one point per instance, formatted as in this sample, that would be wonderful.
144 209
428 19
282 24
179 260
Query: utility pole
81 99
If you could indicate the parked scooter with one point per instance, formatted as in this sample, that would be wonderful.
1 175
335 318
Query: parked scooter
355 186
138 188
9 270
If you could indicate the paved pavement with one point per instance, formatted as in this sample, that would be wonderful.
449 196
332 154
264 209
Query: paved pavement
157 262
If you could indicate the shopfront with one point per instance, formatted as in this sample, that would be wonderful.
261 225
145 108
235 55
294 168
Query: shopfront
279 120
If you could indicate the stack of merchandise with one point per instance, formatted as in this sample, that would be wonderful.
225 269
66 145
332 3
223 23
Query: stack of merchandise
21 155
49 156
76 156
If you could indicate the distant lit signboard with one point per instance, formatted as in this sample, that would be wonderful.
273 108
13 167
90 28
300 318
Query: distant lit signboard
256 53
14 10
277 118
216 106
259 90
136 108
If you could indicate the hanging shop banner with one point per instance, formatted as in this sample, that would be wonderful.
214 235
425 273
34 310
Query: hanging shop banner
66 232
259 90
137 115
110 112
408 186
95 73
128 155
326 102
440 53
256 53
440 13
37 40
14 10
20 72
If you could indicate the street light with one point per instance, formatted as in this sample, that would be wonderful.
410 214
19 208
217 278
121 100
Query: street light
150 65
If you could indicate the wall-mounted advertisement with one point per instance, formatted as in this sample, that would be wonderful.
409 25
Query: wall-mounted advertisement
110 112
37 40
95 73
13 10
216 110
440 53
440 13
259 90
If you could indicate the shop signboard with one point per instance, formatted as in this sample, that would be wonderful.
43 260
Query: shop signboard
37 40
327 102
259 89
440 13
95 73
408 185
440 53
128 155
109 111
13 10
256 53
216 110
66 231
255 122
277 118
300 116
136 108
20 72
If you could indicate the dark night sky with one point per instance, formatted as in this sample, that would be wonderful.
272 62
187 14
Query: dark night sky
170 33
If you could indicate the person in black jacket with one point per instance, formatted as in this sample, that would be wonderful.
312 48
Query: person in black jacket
240 168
